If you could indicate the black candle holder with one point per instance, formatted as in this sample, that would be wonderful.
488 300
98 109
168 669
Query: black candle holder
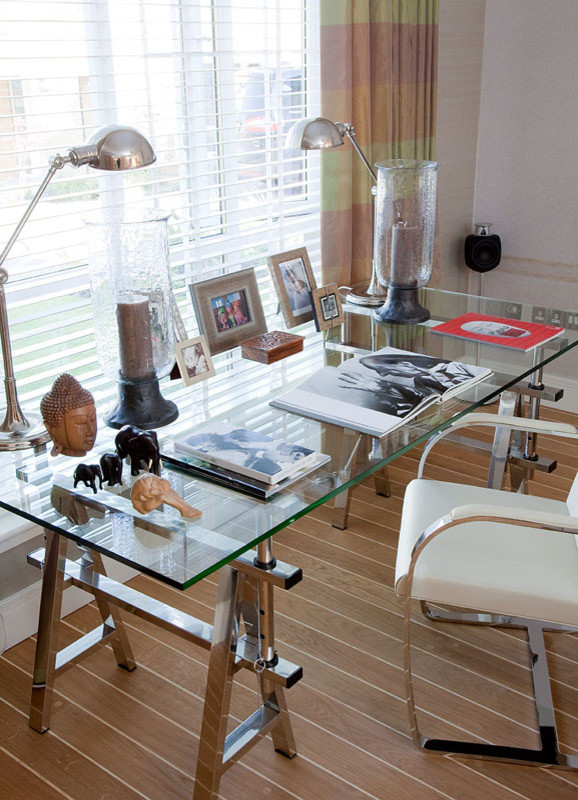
402 307
141 403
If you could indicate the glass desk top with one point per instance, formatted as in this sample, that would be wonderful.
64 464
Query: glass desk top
180 552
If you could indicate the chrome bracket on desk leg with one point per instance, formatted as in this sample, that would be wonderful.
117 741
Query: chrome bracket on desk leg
47 639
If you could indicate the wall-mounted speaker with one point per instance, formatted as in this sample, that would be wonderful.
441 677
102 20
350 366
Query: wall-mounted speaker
483 250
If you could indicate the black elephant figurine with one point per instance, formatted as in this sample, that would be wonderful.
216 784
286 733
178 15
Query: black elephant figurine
123 437
88 474
141 446
111 466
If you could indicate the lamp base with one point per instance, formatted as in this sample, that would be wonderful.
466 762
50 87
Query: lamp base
362 294
402 307
35 436
141 403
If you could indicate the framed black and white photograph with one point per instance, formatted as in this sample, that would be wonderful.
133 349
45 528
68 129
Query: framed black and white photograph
228 309
327 310
294 283
194 360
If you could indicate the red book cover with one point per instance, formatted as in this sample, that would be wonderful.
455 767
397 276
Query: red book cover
511 333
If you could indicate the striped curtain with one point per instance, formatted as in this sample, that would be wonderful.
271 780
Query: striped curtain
378 71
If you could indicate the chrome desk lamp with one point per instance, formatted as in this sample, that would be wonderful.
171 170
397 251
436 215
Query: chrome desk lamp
113 148
322 134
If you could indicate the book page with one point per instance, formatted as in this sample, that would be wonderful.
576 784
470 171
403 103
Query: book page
377 392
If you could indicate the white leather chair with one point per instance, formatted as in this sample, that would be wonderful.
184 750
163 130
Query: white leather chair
508 557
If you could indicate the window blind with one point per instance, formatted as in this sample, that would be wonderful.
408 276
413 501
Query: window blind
214 85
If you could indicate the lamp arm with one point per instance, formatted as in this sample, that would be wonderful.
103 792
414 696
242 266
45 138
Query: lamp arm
15 421
56 163
347 129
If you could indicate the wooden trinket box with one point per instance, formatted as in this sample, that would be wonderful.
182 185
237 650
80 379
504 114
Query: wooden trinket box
273 346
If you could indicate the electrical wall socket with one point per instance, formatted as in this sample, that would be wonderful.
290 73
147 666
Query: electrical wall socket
513 310
539 314
555 316
572 320
495 308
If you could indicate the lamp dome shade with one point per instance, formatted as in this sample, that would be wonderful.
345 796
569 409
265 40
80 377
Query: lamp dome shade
314 134
120 147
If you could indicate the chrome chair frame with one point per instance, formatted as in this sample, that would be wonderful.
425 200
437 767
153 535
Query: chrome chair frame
548 755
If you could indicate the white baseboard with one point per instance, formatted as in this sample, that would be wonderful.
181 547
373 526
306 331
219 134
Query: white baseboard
19 612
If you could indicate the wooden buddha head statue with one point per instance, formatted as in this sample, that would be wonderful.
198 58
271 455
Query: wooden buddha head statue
69 413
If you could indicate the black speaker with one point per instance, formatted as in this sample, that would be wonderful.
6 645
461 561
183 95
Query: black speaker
483 250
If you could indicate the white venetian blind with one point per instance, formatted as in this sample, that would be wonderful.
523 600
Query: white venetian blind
214 85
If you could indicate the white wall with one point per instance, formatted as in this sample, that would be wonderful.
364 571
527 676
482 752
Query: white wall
527 165
461 36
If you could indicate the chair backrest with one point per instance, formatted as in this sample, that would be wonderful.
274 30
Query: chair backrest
572 500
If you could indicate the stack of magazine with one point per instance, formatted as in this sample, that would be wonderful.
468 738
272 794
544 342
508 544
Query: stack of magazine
243 459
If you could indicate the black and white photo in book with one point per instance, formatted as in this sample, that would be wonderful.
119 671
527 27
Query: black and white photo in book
247 451
396 384
380 391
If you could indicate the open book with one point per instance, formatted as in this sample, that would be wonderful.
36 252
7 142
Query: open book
247 452
381 391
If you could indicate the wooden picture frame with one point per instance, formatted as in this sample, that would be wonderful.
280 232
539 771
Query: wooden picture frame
194 360
228 309
327 307
289 271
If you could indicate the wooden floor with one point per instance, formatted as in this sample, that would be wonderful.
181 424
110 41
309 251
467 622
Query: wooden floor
120 735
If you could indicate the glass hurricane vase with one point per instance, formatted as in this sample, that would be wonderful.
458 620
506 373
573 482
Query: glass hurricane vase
405 215
132 304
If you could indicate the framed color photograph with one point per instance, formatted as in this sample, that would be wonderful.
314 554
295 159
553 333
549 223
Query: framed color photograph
194 360
327 310
228 309
294 281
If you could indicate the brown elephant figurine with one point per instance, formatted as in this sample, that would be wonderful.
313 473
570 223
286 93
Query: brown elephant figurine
141 446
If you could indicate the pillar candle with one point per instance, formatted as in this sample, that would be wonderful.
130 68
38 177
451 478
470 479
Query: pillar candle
404 255
134 340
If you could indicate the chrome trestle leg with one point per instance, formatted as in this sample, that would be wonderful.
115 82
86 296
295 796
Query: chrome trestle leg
350 443
244 597
549 754
110 614
382 483
48 622
501 444
272 695
381 477
218 690
355 447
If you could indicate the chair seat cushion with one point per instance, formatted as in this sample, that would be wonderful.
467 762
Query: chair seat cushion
488 566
